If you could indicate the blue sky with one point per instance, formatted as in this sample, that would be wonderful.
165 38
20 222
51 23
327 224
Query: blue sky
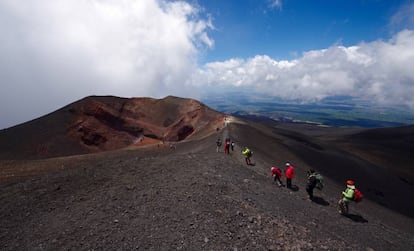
253 27
56 52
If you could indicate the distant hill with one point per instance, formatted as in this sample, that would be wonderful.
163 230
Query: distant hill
101 123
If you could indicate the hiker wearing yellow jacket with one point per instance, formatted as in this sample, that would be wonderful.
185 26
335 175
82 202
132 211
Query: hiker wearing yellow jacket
247 154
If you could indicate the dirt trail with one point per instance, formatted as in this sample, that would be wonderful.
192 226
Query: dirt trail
190 198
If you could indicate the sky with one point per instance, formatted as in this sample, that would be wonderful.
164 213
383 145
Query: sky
54 52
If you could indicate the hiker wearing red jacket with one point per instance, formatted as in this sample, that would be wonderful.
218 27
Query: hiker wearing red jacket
227 147
289 174
277 174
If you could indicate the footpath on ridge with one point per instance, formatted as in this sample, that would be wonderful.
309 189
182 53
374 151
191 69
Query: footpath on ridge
190 198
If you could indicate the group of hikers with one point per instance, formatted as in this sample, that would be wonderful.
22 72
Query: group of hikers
315 180
277 175
228 144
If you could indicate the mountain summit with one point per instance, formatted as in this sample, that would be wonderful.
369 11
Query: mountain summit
96 124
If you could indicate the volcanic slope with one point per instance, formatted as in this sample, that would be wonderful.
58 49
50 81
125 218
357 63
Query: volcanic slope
102 123
190 198
379 160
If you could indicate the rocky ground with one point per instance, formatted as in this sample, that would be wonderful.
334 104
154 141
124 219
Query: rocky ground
189 198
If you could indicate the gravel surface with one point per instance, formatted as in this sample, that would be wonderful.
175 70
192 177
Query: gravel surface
188 198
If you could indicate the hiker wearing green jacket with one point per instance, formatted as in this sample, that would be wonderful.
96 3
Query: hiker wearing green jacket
348 194
247 154
347 197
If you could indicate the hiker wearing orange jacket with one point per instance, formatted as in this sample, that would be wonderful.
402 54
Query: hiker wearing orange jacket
290 170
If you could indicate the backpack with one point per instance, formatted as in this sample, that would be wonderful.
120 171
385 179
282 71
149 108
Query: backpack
357 195
319 181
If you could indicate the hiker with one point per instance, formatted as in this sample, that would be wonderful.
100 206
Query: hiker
289 174
232 146
247 154
218 143
277 174
314 180
350 194
227 147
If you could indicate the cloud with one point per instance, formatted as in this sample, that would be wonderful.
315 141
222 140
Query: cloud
275 4
54 52
379 71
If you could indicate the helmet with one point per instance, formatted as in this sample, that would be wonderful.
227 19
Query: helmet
350 182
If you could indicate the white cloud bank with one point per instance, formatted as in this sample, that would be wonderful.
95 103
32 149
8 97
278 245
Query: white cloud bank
53 52
380 71
56 51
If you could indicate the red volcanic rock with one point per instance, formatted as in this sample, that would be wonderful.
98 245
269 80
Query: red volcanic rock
98 123
108 122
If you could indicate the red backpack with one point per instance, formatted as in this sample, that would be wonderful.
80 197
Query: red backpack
358 195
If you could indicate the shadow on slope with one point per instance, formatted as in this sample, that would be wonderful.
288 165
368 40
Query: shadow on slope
320 201
356 218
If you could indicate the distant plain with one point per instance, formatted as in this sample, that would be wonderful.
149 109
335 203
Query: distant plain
338 111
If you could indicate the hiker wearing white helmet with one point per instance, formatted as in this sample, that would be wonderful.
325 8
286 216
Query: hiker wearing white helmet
289 174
